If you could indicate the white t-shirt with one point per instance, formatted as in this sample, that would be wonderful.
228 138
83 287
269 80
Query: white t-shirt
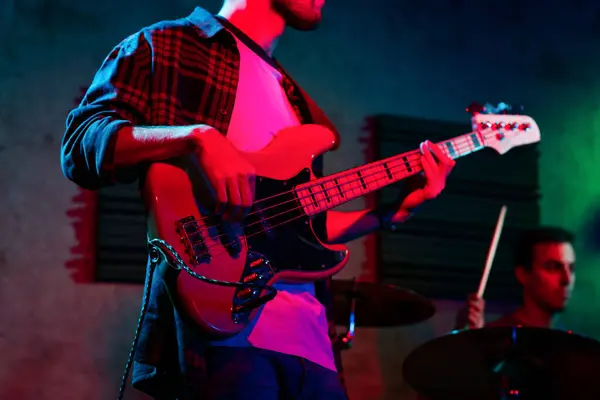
294 322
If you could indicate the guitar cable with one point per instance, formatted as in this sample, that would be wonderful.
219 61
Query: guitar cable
136 335
159 246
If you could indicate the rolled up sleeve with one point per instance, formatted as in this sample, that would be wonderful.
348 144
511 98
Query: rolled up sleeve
118 97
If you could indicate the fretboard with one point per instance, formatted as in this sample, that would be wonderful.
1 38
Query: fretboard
331 191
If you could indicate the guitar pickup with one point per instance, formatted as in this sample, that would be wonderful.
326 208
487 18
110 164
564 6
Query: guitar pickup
192 240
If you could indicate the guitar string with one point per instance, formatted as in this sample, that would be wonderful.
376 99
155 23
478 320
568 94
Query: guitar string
347 172
298 207
331 178
225 245
312 184
480 134
274 226
304 197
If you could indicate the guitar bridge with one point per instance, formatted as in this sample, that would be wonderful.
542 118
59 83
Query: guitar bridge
192 240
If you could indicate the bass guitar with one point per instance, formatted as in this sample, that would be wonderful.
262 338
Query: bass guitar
227 270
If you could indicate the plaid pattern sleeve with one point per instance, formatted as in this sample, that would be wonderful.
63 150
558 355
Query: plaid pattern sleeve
168 74
117 97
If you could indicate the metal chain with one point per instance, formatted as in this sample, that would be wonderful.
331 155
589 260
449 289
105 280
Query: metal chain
160 246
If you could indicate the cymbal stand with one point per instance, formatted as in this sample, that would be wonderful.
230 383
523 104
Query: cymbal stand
345 340
519 376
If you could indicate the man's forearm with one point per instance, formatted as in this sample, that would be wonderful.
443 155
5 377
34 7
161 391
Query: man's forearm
98 151
345 226
139 145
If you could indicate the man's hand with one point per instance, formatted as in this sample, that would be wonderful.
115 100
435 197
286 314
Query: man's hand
425 187
232 178
473 315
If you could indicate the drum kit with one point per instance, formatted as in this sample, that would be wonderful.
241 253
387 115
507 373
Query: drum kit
498 363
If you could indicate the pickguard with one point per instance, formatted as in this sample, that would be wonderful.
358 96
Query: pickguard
280 230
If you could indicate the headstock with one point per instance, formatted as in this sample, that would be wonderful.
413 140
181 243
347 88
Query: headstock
499 129
502 132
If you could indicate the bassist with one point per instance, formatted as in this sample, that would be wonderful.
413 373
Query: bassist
194 85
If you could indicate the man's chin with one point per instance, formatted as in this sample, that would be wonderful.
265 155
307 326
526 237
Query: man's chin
560 307
305 25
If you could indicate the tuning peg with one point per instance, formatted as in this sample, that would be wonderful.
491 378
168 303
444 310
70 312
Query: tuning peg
475 108
501 108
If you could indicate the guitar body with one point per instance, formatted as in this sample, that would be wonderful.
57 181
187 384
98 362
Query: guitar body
276 242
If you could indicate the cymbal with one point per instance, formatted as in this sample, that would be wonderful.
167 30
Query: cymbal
378 305
536 362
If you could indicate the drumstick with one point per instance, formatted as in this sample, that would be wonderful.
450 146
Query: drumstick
491 252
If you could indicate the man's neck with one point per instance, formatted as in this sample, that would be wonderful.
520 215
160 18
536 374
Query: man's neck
532 315
257 20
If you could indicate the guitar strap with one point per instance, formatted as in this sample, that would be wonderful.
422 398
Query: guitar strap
315 114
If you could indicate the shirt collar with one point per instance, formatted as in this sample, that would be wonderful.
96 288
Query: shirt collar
205 21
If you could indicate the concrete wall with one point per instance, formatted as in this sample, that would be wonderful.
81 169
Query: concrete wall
62 339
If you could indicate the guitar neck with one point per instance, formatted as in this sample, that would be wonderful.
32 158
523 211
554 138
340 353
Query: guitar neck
329 192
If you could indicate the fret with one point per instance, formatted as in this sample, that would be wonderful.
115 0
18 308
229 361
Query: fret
474 140
376 176
336 182
405 166
470 144
332 192
462 145
337 189
466 145
450 148
354 187
303 196
388 171
318 197
362 180
344 185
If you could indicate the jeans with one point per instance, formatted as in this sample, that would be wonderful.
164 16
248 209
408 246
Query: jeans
255 374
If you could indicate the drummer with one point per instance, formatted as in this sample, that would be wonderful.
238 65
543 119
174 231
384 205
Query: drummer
545 269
